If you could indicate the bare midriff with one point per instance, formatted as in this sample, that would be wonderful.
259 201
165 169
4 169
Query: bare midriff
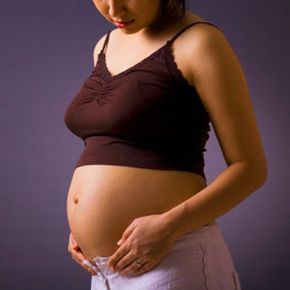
103 200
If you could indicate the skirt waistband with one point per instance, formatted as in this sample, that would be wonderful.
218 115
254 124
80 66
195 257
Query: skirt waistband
209 233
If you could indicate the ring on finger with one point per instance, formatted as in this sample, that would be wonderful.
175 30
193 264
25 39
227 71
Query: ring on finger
138 262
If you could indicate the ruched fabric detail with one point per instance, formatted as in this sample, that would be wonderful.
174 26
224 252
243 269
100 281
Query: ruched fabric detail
146 116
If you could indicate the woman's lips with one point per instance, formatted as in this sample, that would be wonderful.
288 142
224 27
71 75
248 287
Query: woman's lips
123 23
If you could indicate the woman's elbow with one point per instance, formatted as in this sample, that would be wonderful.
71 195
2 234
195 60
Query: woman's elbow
260 172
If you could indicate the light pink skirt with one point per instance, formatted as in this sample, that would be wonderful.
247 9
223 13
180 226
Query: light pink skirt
199 260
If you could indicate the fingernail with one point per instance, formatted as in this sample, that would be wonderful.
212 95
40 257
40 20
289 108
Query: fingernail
95 268
90 265
86 262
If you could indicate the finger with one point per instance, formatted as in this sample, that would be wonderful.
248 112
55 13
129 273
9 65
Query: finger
79 258
122 251
90 265
78 254
125 261
72 241
76 248
127 233
72 238
69 243
86 267
134 270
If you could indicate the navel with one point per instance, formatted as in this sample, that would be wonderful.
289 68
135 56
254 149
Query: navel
76 199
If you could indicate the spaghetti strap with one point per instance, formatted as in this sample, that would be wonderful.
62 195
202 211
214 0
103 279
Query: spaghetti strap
189 25
105 42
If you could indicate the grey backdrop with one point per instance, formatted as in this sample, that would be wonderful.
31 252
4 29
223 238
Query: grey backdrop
46 54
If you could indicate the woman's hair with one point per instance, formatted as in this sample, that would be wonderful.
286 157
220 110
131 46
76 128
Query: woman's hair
170 11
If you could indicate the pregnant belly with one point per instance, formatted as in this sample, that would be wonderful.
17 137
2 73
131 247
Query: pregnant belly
103 200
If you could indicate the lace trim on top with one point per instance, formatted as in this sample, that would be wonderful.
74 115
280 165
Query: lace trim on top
167 48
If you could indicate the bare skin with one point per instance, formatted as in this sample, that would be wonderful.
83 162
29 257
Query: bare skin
104 199
98 208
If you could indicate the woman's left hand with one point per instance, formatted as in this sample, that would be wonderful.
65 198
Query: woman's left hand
148 238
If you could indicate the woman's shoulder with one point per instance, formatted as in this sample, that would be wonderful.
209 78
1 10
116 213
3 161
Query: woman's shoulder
100 43
194 35
98 47
201 43
201 30
195 24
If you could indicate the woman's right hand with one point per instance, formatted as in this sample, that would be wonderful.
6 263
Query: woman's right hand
77 254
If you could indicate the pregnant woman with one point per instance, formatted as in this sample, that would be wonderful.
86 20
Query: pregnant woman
140 211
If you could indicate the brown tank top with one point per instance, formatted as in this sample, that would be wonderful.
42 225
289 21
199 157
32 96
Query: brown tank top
146 116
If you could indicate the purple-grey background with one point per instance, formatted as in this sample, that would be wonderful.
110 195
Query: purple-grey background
46 54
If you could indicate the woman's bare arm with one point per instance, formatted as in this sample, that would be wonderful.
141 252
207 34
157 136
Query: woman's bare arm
219 79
